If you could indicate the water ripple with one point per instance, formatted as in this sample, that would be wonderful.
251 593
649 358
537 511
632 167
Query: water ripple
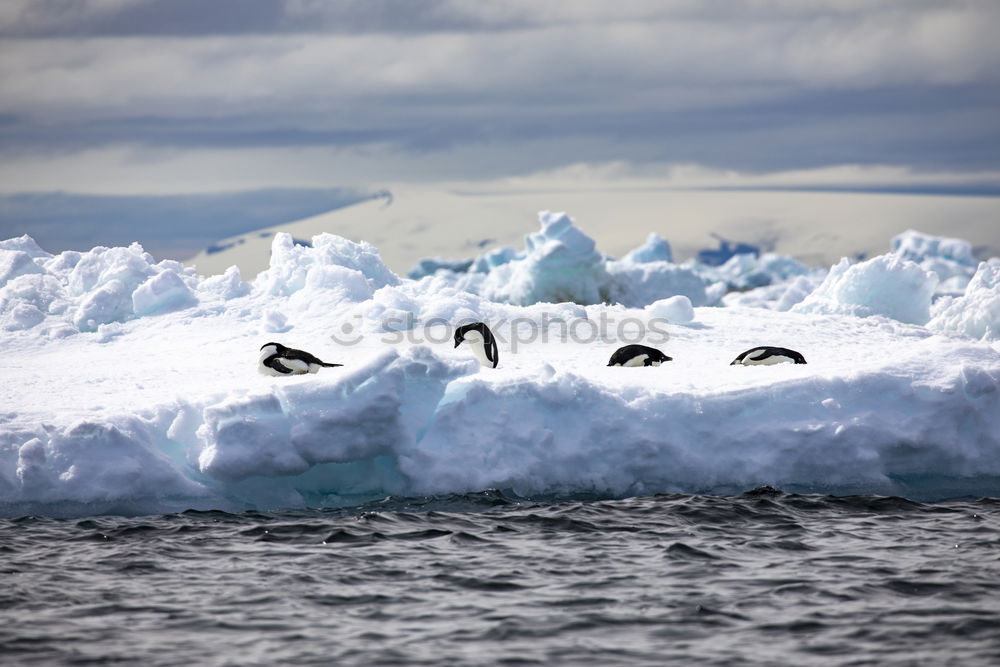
763 578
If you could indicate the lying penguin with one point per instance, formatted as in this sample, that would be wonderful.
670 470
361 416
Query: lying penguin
637 355
481 340
767 356
276 359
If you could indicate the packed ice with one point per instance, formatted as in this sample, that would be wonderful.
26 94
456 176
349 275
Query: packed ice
130 384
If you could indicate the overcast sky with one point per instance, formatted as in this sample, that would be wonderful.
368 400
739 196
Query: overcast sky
143 97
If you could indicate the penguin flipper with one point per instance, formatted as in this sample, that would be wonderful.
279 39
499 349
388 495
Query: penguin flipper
274 363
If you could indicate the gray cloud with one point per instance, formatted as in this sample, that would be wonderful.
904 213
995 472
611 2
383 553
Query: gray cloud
461 87
154 18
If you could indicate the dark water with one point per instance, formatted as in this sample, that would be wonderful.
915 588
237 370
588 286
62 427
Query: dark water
760 578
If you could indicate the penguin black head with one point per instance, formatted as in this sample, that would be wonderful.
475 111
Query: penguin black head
663 357
278 347
466 328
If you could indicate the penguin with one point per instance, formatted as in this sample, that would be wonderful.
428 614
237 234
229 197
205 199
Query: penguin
768 356
637 355
276 359
482 341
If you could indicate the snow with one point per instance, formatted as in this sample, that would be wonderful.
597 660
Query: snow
130 385
885 285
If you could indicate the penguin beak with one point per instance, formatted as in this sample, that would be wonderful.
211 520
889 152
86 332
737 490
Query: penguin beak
457 342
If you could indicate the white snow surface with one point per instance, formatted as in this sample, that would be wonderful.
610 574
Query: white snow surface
130 386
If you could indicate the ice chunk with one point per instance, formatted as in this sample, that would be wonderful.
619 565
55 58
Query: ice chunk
94 461
885 285
636 285
25 244
778 296
951 259
274 321
560 263
745 271
21 316
162 293
917 247
431 265
227 286
129 266
110 302
726 250
655 249
14 263
61 264
44 293
490 260
676 309
977 313
291 263
372 411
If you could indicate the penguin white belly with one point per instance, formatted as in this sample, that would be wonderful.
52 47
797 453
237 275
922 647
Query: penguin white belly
637 360
298 367
478 345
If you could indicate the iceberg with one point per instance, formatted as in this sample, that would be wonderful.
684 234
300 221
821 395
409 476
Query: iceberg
130 385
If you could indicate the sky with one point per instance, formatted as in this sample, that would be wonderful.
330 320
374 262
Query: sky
113 108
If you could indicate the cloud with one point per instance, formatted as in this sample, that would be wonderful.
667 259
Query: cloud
143 96
659 62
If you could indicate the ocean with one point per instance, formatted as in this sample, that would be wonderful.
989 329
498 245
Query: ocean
762 578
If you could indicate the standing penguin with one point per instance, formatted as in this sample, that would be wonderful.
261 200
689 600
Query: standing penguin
768 356
276 359
637 355
482 341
